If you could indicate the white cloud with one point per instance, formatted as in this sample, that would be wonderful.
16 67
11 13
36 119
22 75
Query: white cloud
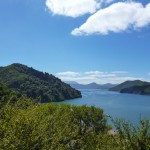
82 80
99 74
68 73
149 73
118 79
94 72
120 72
89 79
72 8
96 76
117 17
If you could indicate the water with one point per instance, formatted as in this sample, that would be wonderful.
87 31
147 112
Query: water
127 106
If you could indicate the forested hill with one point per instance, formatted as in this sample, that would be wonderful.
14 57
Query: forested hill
36 84
128 84
135 87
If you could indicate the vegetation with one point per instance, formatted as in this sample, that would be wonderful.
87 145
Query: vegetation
136 87
50 126
26 125
8 96
130 137
35 84
143 90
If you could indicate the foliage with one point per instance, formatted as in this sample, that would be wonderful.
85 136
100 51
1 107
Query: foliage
50 126
36 84
27 125
130 137
8 95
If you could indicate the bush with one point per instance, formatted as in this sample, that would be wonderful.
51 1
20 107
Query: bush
27 125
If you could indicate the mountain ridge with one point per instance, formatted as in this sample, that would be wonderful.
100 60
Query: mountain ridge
92 85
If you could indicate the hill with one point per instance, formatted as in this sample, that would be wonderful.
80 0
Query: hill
90 86
142 90
36 84
128 84
135 87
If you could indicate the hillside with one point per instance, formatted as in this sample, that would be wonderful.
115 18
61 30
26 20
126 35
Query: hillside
143 90
128 84
90 86
135 87
36 84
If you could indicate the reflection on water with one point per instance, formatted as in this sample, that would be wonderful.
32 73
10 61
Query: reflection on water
128 106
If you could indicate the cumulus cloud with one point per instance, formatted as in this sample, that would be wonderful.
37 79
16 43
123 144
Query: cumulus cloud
68 73
120 72
118 80
72 8
97 76
117 17
82 80
94 72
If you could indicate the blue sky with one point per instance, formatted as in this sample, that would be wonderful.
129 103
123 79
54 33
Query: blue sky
90 45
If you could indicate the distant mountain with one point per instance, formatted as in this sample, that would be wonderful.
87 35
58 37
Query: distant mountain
135 87
36 84
90 86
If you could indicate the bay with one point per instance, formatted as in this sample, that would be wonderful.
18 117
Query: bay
130 107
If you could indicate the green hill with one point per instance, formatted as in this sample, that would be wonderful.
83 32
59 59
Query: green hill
143 90
128 84
36 84
135 87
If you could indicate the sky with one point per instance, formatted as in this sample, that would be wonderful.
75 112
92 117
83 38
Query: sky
102 41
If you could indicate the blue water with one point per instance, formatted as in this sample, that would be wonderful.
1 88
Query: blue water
127 106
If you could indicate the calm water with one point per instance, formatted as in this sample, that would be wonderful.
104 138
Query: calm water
127 106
